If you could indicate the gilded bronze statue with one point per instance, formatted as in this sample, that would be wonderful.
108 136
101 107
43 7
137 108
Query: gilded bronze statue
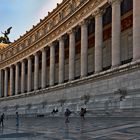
5 39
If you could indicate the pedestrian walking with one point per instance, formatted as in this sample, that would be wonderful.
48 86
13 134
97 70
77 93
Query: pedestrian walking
67 114
2 120
17 119
82 113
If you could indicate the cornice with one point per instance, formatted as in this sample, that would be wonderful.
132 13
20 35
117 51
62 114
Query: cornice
38 25
42 22
71 20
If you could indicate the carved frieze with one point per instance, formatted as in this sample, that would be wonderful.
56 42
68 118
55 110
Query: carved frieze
44 32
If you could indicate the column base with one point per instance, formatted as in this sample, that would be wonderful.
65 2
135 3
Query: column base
83 76
70 80
96 72
112 67
135 59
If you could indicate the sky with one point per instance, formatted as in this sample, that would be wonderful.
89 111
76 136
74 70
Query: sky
23 14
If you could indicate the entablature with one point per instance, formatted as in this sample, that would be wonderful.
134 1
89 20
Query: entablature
38 38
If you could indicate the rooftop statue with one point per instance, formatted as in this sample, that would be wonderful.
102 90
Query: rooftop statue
5 39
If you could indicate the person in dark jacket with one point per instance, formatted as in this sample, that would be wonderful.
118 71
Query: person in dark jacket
17 119
67 114
2 120
82 113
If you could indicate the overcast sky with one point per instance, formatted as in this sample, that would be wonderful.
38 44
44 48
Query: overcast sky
22 14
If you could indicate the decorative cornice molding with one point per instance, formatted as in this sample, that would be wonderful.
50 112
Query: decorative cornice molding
69 22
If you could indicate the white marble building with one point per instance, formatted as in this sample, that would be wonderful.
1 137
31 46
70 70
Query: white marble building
84 53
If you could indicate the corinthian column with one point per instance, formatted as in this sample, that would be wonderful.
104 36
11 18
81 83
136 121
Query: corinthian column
136 30
1 83
36 72
84 48
29 75
52 64
116 32
71 54
98 40
11 80
61 60
17 79
44 68
6 82
22 76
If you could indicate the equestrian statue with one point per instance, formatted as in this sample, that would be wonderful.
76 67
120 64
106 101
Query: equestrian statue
5 39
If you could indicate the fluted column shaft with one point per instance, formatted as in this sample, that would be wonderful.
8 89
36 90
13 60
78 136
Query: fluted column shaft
29 80
52 64
71 55
11 80
17 79
36 72
116 32
84 48
98 40
22 76
6 82
61 60
44 69
136 30
0 83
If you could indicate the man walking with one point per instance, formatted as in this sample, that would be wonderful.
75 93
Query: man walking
2 119
67 114
17 119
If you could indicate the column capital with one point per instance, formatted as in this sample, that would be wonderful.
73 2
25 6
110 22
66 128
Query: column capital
35 54
61 38
23 61
51 44
43 49
11 66
83 22
16 64
29 58
114 1
6 68
99 12
71 31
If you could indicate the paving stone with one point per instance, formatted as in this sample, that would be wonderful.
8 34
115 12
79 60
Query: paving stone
55 129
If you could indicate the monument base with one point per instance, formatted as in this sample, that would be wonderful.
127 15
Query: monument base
3 45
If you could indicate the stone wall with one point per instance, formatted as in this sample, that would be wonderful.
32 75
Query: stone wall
103 92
